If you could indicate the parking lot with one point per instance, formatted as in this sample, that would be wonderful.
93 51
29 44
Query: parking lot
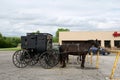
72 72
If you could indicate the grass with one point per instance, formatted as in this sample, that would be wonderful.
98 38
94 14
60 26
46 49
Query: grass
10 49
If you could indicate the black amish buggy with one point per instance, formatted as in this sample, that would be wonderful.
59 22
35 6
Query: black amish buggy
36 47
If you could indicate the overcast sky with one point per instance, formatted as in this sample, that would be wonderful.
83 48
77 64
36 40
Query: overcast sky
17 17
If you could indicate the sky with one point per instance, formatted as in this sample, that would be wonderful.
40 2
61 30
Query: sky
18 17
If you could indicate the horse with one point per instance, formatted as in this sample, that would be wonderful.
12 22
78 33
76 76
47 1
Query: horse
81 49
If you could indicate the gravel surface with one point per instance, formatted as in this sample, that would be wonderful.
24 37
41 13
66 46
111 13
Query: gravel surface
72 72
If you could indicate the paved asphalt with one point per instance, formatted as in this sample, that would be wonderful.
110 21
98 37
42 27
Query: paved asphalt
72 72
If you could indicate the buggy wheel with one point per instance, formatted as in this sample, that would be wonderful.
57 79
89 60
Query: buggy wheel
20 58
44 61
49 59
33 61
53 58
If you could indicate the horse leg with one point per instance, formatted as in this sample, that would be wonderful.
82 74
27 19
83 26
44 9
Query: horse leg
63 61
67 58
83 60
64 64
60 58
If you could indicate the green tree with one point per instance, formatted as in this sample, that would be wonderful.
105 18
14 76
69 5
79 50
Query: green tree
0 35
6 42
60 30
55 39
36 32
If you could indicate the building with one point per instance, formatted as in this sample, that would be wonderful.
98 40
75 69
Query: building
105 38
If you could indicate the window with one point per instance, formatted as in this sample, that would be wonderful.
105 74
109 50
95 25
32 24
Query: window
99 42
107 43
117 43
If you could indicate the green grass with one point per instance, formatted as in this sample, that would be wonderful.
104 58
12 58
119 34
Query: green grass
10 49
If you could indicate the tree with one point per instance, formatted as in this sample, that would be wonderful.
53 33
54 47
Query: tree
61 30
0 35
36 32
57 33
55 39
6 42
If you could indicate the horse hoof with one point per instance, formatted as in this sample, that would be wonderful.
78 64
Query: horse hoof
63 66
82 67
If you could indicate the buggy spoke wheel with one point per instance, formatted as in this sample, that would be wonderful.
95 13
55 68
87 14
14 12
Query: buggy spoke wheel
33 61
43 61
49 59
19 58
53 58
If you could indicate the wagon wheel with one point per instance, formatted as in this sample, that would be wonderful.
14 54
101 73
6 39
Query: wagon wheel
20 58
43 60
49 59
53 58
34 60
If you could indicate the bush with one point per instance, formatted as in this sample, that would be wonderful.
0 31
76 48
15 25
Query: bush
7 42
